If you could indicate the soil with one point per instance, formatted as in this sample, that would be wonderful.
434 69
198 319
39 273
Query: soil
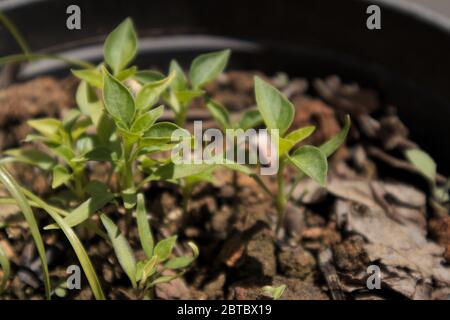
374 211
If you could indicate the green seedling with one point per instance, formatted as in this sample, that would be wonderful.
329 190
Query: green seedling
274 292
278 114
203 69
427 167
147 273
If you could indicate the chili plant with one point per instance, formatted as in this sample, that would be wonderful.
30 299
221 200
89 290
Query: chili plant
278 115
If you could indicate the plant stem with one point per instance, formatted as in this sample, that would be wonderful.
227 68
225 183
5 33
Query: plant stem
280 198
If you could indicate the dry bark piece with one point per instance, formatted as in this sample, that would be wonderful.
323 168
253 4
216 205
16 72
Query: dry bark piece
349 98
440 230
410 263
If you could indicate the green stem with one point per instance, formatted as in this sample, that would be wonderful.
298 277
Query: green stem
280 198
180 117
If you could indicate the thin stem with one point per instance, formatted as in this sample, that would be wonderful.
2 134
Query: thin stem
15 33
280 198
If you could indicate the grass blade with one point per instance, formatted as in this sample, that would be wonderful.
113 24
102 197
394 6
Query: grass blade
14 189
76 244
145 233
4 263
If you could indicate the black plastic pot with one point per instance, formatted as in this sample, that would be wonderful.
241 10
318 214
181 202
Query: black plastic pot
408 61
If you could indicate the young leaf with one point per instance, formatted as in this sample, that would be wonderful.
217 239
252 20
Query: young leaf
48 127
423 162
60 176
122 248
163 249
126 74
164 279
146 120
274 292
149 93
219 113
183 262
186 96
161 131
329 147
33 157
275 109
149 268
91 76
147 76
207 66
250 119
145 233
99 154
84 210
120 46
312 162
301 134
88 102
118 100
180 82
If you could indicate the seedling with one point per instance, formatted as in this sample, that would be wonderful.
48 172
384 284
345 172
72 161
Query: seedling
274 292
427 167
278 114
203 69
145 274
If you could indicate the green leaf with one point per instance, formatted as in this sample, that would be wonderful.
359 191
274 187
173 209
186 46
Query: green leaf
146 120
301 134
92 76
164 248
149 268
96 187
173 171
162 131
275 109
144 230
219 113
60 176
185 96
250 119
126 74
312 162
149 93
180 82
183 262
81 213
6 269
48 127
88 102
329 147
423 162
274 292
33 157
118 100
164 279
122 249
16 192
147 76
99 154
207 66
121 46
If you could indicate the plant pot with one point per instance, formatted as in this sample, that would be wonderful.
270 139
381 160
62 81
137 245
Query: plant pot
406 61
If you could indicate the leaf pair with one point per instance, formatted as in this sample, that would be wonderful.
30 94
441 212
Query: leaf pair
146 272
278 115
